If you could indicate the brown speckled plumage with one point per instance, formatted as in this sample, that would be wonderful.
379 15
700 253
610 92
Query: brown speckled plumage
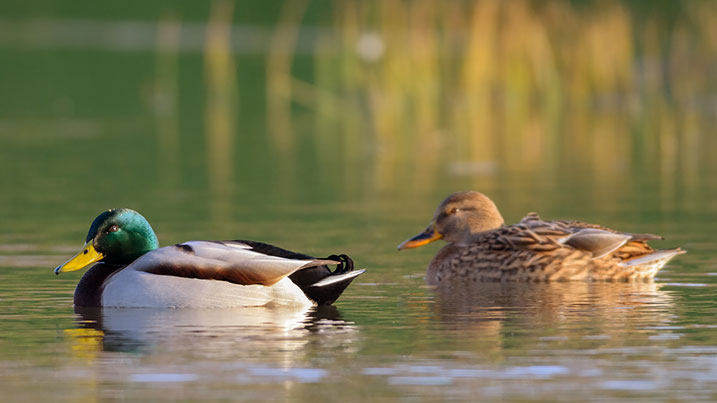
481 248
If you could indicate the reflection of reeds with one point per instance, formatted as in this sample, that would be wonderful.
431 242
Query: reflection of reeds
495 312
524 86
166 97
279 61
221 106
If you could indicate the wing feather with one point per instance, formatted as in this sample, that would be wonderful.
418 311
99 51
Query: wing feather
234 262
597 242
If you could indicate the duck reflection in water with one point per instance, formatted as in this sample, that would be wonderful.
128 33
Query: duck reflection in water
261 331
489 315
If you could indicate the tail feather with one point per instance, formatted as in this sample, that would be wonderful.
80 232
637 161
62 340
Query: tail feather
323 286
340 278
328 290
315 279
655 260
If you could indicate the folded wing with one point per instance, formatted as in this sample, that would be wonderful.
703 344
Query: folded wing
231 261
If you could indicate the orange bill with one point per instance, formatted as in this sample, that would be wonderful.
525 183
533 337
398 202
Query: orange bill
429 235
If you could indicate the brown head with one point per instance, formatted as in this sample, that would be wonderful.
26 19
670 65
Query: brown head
459 217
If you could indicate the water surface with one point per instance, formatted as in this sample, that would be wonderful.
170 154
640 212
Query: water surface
389 336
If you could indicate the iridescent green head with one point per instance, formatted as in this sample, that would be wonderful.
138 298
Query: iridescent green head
117 236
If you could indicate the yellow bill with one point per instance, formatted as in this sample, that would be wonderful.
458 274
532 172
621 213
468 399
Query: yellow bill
429 235
84 258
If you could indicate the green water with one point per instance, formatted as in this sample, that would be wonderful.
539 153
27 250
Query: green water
87 123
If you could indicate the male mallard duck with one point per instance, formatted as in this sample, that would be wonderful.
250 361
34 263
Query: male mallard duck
132 271
480 247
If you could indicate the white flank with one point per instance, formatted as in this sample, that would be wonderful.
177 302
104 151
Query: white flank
137 289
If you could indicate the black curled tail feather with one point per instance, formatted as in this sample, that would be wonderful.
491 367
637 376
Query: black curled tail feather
307 279
346 264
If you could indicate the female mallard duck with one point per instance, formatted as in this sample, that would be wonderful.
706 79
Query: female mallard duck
132 271
480 247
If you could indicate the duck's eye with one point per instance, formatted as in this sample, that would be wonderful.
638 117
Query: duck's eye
113 228
454 210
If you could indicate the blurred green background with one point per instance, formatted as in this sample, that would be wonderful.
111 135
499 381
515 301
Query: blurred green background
202 107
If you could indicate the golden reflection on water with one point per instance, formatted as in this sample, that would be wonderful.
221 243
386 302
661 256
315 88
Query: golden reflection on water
402 93
86 345
85 342
279 89
514 86
165 99
281 132
221 108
